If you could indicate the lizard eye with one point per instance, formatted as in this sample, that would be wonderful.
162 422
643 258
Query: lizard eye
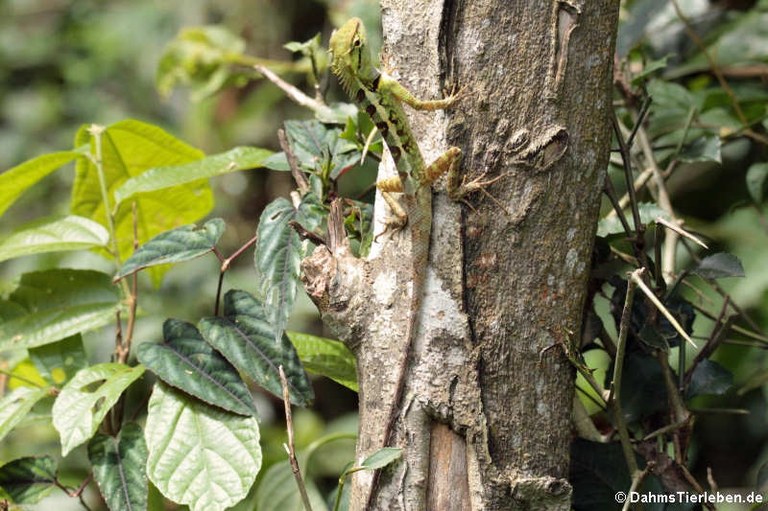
356 43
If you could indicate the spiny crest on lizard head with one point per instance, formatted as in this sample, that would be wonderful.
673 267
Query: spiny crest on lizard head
350 55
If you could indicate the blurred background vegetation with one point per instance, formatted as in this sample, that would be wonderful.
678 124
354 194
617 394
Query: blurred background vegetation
64 63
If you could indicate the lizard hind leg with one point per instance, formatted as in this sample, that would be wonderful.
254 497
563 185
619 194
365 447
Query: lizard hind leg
399 218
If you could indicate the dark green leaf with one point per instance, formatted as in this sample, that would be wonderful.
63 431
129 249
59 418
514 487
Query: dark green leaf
60 234
48 306
278 254
15 181
649 212
174 246
119 468
159 178
642 387
27 480
382 458
709 378
246 338
720 265
317 146
649 69
59 361
326 357
706 148
187 362
84 402
756 182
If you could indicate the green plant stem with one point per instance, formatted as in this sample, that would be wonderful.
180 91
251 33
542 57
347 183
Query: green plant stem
618 367
96 132
21 378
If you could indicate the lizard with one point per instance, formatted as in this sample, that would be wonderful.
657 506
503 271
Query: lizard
382 97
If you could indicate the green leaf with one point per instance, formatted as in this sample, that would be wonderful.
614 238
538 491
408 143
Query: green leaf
246 338
58 362
718 266
709 378
67 233
200 456
15 181
28 480
326 357
239 158
128 149
15 405
278 254
278 491
174 246
317 146
48 306
381 458
119 468
611 225
705 148
187 362
85 400
756 182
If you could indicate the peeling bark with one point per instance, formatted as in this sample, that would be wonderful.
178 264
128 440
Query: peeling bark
485 418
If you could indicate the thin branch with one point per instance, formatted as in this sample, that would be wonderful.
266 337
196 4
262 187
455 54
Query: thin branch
627 165
614 397
321 109
660 306
290 447
637 479
293 163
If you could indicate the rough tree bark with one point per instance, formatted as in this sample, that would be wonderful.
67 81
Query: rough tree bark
485 419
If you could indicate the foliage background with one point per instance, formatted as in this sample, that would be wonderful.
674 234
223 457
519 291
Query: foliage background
64 63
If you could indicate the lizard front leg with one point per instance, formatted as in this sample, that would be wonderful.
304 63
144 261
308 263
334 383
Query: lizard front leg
389 85
448 162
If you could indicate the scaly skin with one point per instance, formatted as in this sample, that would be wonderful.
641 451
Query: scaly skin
381 96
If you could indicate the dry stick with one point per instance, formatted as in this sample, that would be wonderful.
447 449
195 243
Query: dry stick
320 108
290 447
614 397
627 165
293 163
637 479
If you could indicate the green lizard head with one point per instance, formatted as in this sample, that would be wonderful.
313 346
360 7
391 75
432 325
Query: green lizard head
350 55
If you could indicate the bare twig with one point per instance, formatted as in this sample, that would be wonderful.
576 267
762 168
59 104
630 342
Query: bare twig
290 447
614 397
320 108
301 180
637 479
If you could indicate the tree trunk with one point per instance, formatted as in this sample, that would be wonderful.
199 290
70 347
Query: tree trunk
485 418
